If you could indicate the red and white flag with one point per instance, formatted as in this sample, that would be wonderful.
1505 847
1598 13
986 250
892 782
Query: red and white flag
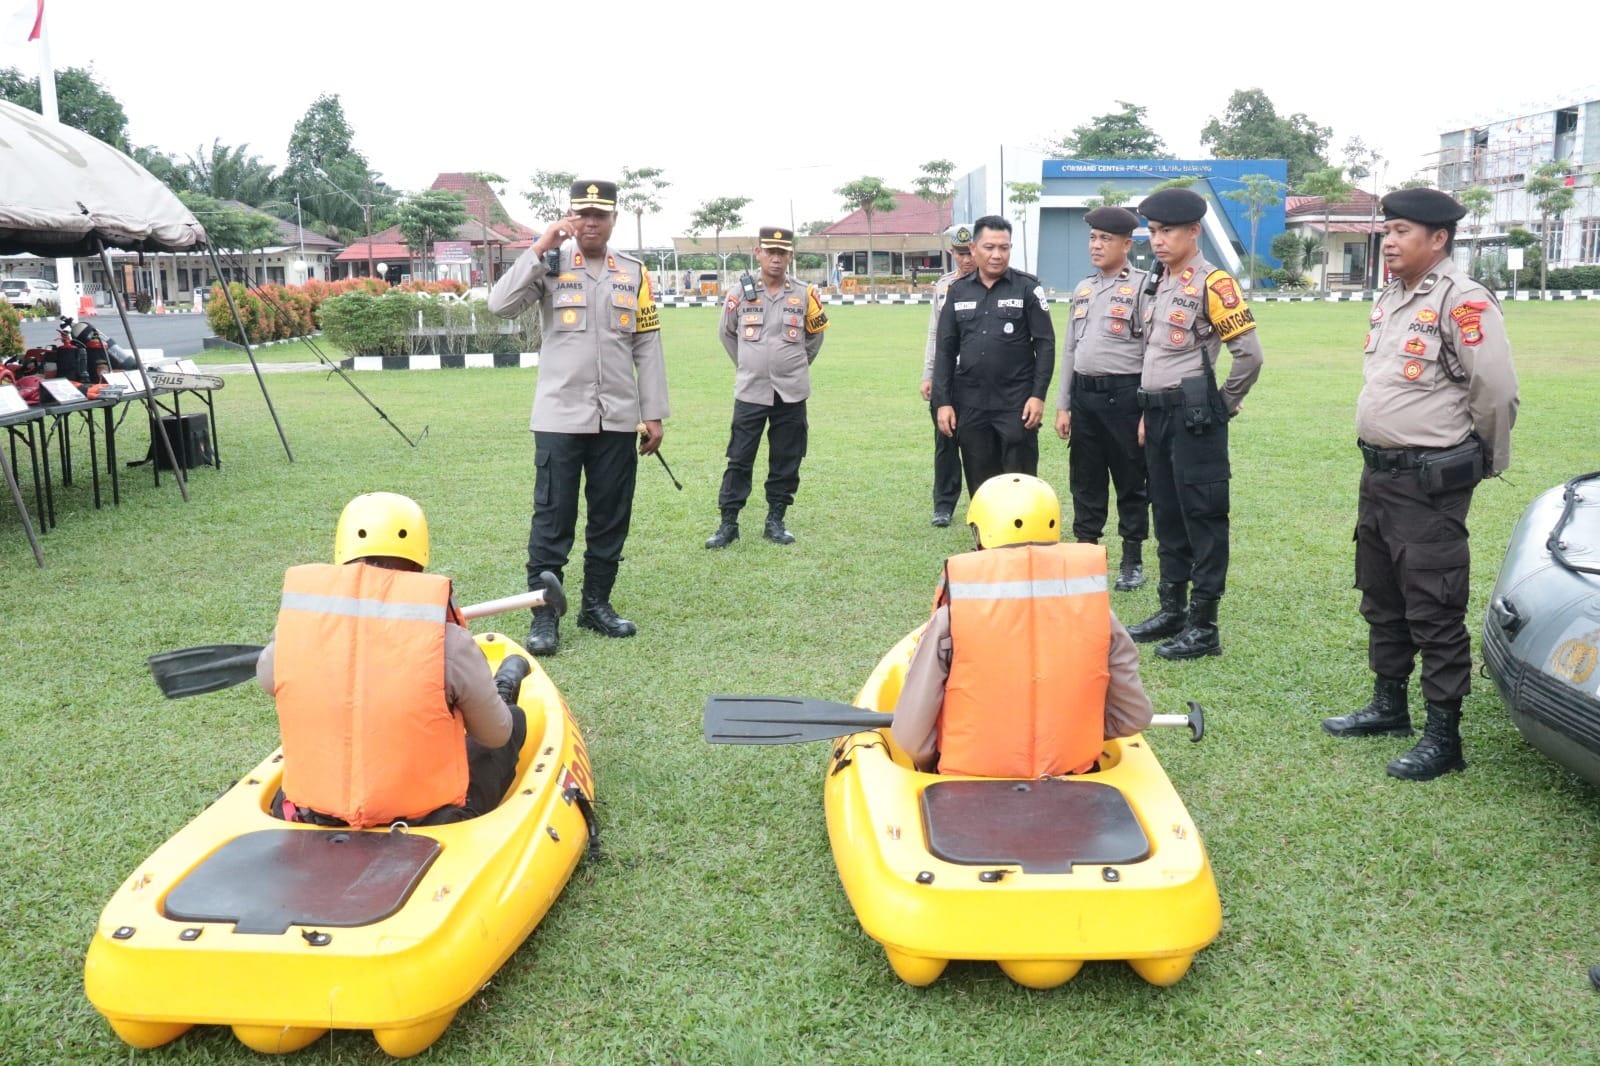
38 23
21 16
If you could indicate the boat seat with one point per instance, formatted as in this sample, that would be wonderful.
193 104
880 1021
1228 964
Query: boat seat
266 881
1044 826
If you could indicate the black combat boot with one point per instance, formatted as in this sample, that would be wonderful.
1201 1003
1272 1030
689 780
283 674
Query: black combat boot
1170 619
598 615
1439 750
774 530
508 679
1130 575
545 633
1388 715
1199 637
726 533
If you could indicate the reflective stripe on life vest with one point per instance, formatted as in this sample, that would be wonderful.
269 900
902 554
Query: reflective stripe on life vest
1030 635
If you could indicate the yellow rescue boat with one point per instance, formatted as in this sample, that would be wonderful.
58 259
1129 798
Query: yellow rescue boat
1039 876
284 931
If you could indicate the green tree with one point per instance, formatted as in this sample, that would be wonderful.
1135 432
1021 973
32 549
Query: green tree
232 229
339 193
1477 199
1252 129
935 183
163 166
718 215
869 196
1258 193
1182 181
550 195
1286 248
428 217
1329 184
81 102
1554 198
1023 194
230 174
1120 134
1108 196
640 193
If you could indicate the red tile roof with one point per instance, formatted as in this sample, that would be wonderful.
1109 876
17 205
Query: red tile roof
914 215
1359 203
482 204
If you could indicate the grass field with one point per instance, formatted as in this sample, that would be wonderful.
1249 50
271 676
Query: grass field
1365 919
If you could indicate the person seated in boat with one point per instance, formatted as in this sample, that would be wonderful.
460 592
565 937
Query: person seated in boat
1023 670
385 703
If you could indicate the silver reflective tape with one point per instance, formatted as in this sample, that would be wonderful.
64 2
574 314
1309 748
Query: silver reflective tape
1027 590
354 608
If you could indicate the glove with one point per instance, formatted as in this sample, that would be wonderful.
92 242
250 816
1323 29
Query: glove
508 679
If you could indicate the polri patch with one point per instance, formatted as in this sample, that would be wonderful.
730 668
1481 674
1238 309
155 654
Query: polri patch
1227 292
1416 346
1412 370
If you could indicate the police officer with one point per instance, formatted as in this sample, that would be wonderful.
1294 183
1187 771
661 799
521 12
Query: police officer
1196 308
993 359
946 456
772 329
1098 410
1434 416
601 375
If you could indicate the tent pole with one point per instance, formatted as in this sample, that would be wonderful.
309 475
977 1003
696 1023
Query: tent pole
119 300
245 336
22 507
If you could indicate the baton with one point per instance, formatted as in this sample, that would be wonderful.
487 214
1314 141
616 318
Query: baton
644 436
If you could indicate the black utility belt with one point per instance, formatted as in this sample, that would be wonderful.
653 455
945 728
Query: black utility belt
1438 469
1171 396
1103 382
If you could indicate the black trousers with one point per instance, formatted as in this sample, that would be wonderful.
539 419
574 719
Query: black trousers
1105 447
994 443
1413 567
946 468
1189 500
786 428
607 466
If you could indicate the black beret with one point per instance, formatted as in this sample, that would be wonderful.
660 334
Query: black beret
1174 207
1112 220
1427 206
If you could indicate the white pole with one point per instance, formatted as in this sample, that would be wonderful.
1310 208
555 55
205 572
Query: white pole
66 277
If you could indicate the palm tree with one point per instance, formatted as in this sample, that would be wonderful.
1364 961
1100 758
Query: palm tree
1330 185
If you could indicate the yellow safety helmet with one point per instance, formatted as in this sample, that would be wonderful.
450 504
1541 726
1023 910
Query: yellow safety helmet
381 523
1014 509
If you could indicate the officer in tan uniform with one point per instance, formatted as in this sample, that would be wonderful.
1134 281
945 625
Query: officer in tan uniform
772 329
1098 406
946 455
1196 308
601 374
1433 418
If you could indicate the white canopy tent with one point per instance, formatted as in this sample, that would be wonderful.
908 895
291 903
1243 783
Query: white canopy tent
65 194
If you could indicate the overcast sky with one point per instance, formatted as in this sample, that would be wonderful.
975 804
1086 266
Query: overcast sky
783 103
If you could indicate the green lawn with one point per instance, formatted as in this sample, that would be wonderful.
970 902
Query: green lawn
1365 919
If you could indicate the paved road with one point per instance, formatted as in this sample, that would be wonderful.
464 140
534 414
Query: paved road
178 336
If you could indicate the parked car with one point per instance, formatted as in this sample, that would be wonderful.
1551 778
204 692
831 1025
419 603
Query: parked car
28 292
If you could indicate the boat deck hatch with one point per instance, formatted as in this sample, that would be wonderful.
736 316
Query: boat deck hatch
1044 826
266 881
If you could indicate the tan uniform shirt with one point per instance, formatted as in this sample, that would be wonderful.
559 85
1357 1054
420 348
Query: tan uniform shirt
916 713
600 364
772 341
941 289
1100 340
468 686
1196 309
1420 341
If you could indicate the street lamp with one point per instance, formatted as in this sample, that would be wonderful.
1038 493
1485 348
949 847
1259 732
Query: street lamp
383 270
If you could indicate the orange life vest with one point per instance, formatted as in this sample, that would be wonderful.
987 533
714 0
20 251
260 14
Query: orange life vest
358 670
1030 634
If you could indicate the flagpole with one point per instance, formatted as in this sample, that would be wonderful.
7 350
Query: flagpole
66 277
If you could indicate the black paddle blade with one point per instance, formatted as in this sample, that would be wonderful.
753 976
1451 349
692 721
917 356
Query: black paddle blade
784 719
191 671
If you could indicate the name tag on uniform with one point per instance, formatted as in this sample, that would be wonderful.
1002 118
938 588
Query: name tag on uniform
1008 303
966 305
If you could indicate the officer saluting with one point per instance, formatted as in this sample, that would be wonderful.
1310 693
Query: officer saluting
1434 417
772 328
601 373
1098 410
946 456
1197 308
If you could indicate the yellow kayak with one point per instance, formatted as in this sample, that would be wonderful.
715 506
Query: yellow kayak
1039 876
284 931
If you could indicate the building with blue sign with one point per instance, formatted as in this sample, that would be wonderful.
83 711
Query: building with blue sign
1052 240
